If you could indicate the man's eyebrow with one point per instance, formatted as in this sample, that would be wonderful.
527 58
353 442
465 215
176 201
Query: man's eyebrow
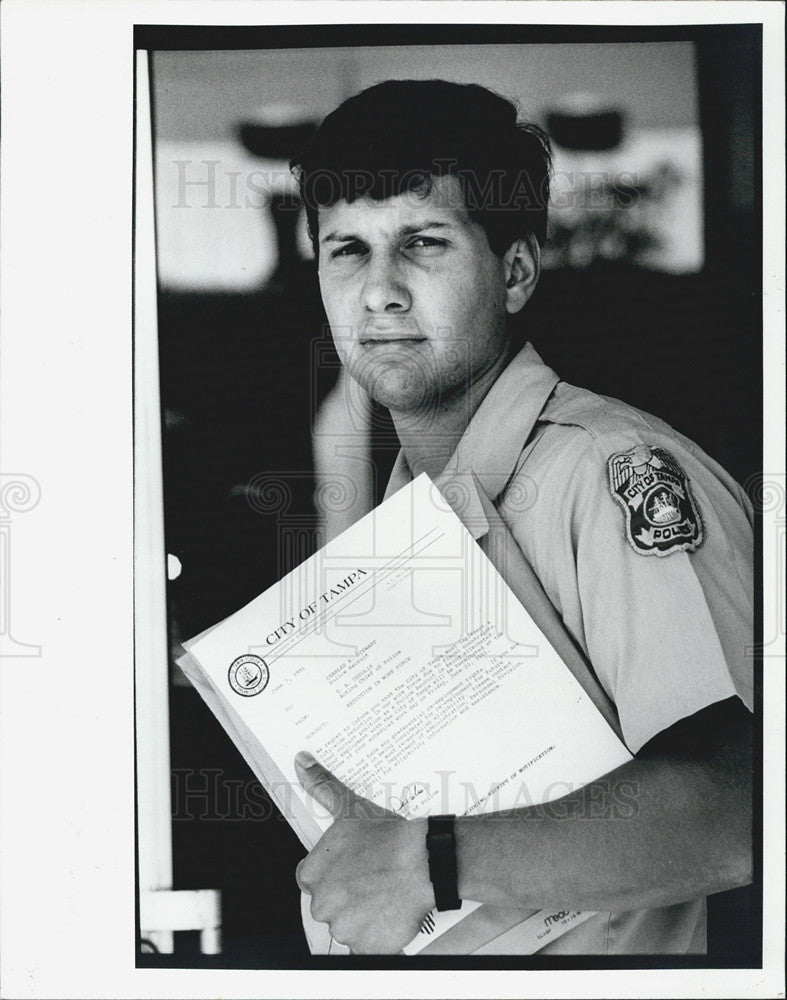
336 237
409 230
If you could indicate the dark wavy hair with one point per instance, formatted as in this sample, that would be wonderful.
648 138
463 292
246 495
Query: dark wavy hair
398 135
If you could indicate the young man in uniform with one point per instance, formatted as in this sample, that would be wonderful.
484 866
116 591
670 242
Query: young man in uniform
427 204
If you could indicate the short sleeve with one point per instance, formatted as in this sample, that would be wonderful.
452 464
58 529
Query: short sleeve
667 633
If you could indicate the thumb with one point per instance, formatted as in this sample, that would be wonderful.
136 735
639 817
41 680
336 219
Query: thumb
332 794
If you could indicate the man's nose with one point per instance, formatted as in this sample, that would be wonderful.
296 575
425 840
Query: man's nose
384 288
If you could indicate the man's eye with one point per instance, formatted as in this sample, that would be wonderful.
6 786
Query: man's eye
425 243
349 249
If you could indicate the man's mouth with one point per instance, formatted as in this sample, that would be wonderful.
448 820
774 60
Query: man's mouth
389 331
390 337
393 340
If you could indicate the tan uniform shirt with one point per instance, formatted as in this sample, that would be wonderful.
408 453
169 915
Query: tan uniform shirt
643 547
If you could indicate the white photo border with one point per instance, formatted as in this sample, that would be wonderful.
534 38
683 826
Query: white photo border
67 765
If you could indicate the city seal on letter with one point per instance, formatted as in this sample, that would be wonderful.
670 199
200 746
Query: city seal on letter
248 675
661 514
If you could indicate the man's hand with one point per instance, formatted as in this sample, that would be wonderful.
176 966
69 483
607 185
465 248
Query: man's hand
368 875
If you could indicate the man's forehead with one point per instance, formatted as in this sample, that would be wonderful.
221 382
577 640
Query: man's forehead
442 205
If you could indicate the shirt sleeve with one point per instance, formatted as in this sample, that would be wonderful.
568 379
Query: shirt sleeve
667 635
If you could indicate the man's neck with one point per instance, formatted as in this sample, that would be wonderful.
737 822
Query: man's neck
430 438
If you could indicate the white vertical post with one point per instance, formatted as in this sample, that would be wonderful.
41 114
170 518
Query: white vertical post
150 620
162 911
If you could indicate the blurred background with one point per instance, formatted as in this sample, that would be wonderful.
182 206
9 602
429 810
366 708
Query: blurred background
650 293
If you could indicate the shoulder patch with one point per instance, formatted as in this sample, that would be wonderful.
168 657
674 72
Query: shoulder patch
661 514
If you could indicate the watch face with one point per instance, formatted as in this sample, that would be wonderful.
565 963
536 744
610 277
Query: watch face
441 848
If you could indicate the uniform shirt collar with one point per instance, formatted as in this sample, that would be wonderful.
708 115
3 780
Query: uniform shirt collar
488 451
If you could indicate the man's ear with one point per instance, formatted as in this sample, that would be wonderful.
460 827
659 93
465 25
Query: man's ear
522 263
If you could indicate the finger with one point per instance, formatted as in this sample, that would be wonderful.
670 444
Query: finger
300 880
323 786
333 794
340 932
320 910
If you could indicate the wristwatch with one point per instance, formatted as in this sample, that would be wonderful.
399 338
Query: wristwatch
441 849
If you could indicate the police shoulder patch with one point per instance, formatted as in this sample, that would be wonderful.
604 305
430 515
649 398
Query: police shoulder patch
661 514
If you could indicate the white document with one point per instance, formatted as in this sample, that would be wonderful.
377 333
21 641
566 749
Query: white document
402 661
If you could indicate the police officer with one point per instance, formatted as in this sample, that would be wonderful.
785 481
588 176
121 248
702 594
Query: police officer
427 205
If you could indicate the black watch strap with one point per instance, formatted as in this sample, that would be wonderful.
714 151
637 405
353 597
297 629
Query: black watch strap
441 849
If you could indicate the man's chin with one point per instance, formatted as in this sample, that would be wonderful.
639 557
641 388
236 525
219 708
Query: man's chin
401 388
400 395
